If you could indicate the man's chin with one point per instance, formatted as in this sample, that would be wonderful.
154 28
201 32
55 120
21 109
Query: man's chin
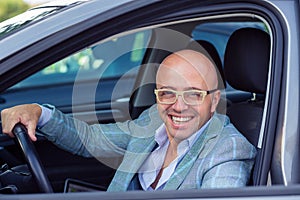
180 134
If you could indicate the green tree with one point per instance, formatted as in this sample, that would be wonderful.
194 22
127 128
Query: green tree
10 8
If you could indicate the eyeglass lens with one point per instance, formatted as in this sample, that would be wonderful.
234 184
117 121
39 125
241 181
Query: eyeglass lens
189 97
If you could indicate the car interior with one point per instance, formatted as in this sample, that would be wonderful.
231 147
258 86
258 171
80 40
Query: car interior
240 51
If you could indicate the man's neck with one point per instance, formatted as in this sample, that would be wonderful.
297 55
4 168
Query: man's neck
171 153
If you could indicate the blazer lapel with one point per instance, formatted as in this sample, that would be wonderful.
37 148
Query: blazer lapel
133 159
185 165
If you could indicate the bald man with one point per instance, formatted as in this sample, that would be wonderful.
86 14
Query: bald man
179 143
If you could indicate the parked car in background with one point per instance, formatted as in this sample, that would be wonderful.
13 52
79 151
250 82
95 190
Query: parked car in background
96 60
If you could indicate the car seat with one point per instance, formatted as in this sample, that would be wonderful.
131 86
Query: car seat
246 64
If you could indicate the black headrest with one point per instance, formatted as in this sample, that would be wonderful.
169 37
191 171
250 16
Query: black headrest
246 60
213 55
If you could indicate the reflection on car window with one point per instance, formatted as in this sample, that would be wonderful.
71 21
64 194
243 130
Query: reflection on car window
25 18
33 15
110 59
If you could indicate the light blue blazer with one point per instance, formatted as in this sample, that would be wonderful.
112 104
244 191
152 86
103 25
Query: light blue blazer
221 157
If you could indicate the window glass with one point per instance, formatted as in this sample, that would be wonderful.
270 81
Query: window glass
107 60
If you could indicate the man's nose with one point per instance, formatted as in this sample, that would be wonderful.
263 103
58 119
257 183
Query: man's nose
180 104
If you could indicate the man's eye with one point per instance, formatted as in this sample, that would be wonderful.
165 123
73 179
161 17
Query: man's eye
167 93
195 95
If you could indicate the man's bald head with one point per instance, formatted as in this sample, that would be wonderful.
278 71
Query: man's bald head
190 61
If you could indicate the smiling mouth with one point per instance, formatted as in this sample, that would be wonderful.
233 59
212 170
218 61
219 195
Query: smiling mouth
179 120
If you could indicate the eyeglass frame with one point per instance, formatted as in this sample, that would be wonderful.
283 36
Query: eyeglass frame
181 93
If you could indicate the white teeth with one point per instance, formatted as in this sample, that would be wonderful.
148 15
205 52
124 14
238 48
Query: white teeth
180 119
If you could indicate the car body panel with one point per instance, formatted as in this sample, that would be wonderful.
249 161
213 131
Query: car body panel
277 193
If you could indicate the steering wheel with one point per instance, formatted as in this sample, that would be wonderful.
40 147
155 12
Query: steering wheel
32 158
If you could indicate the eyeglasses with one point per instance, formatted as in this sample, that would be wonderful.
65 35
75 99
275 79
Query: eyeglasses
190 97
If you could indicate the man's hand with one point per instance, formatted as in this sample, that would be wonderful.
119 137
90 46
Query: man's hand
27 114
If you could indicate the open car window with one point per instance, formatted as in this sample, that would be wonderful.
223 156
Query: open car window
114 79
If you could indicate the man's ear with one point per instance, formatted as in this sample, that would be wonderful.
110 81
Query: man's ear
215 100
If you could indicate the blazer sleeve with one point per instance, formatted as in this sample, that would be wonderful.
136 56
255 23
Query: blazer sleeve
98 140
